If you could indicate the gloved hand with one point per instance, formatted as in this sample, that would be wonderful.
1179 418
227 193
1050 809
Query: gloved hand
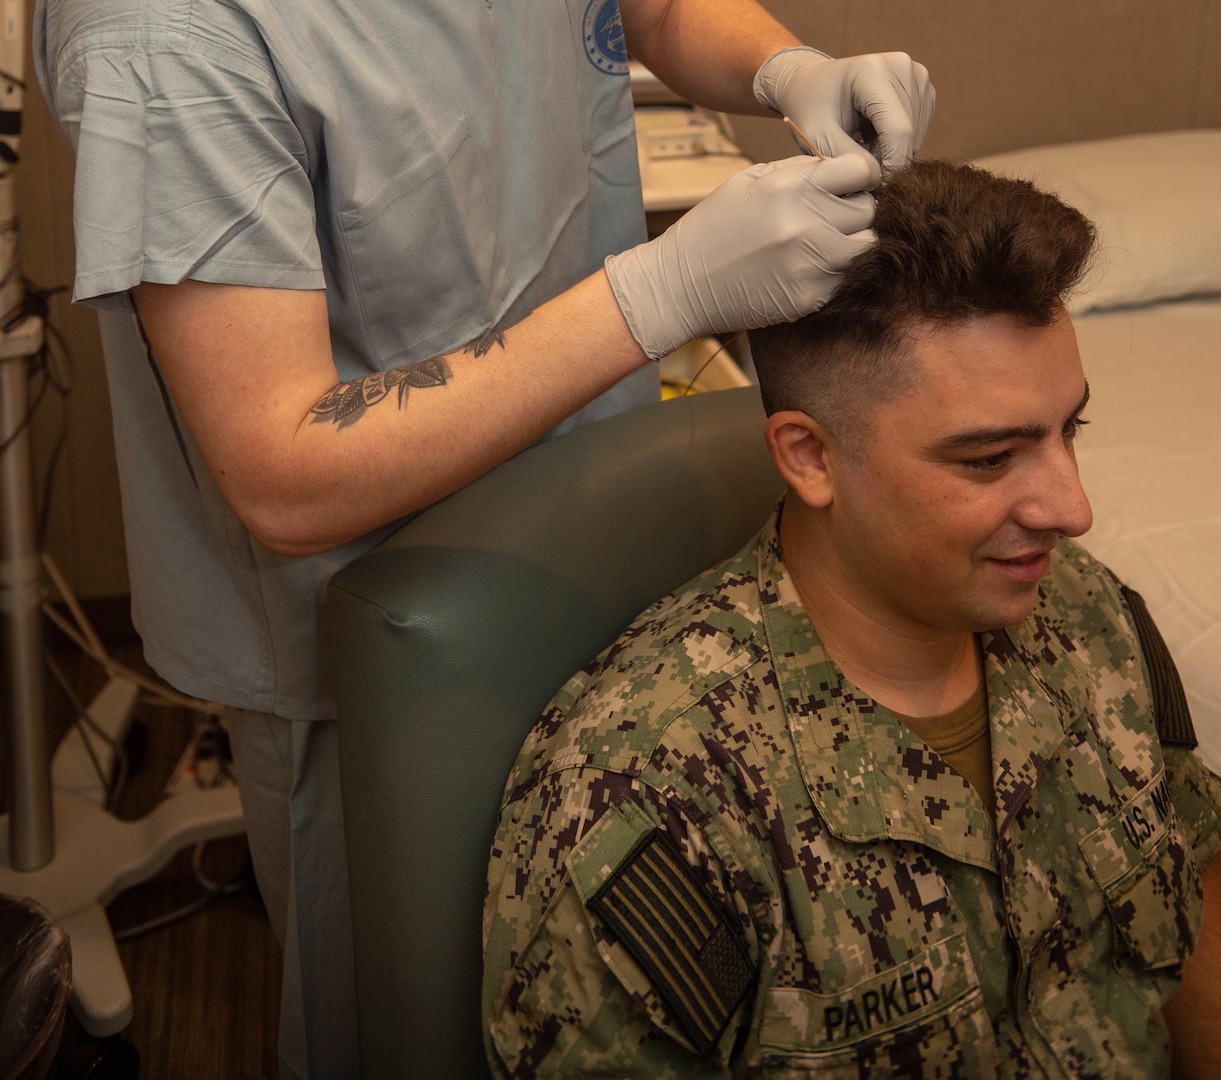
885 97
767 246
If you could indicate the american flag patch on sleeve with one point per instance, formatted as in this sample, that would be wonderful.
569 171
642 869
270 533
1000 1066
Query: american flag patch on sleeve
675 930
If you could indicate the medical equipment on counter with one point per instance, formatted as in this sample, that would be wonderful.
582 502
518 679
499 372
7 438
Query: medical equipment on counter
683 151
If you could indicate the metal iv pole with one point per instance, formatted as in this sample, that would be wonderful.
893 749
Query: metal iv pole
27 759
62 848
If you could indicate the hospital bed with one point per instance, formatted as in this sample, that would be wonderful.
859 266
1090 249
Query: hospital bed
451 636
1149 325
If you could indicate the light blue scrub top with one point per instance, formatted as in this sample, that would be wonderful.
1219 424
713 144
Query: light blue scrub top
440 167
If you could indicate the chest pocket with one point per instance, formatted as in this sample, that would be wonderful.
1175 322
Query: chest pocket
1144 866
924 1017
424 254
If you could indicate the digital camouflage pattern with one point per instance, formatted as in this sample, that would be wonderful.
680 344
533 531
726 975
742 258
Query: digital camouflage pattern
711 809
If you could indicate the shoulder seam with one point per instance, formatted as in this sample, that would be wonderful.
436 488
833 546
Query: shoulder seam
155 39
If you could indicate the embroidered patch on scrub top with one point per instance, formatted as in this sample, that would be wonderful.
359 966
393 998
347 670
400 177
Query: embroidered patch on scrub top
605 44
674 929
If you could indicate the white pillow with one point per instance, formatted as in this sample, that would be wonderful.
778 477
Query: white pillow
1156 200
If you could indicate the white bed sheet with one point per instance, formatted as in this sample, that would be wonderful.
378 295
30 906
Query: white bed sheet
1151 464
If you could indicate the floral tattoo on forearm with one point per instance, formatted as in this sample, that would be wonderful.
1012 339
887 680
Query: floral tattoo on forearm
349 401
481 346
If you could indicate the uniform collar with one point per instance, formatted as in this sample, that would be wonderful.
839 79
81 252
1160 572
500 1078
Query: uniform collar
1033 710
868 774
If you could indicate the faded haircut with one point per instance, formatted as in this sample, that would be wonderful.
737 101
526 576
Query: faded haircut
954 242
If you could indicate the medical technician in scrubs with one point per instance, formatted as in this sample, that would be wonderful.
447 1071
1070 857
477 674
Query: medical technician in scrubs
374 249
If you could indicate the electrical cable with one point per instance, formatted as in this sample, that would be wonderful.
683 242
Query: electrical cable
112 785
89 644
58 368
212 890
31 409
211 739
211 742
717 352
163 920
162 694
79 712
81 634
700 371
227 887
51 367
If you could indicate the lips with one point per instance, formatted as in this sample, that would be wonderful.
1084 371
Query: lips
1032 566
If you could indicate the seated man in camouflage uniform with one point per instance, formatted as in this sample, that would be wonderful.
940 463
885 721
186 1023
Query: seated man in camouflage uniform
906 787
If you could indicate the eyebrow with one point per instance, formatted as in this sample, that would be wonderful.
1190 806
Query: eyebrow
974 438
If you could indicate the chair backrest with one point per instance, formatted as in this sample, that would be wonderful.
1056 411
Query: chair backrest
451 637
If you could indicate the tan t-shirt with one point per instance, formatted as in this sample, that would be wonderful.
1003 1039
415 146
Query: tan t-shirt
961 736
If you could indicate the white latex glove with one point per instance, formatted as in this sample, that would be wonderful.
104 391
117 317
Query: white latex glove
767 246
886 98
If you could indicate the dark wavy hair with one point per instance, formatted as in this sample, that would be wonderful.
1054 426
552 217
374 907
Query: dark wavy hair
954 242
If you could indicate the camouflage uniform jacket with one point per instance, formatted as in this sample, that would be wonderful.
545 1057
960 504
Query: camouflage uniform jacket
717 858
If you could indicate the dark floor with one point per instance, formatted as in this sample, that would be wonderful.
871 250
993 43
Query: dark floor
205 989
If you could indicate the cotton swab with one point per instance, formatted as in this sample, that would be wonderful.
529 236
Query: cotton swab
804 140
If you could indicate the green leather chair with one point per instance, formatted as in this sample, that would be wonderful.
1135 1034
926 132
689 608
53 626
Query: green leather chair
451 637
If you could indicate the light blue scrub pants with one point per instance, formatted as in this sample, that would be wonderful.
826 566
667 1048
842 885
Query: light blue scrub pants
288 776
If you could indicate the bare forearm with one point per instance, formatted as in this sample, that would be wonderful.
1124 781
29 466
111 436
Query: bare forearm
707 50
433 427
308 464
314 466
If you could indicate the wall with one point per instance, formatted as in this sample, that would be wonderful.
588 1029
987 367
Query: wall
1009 73
1013 73
85 530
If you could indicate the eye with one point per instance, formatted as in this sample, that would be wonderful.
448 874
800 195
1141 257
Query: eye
1073 428
990 464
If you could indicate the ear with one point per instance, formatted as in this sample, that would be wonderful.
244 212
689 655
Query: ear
803 452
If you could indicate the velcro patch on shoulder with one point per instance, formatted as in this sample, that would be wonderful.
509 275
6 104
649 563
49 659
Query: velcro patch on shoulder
1170 711
677 932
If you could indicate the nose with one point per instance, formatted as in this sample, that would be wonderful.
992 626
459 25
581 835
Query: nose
1057 502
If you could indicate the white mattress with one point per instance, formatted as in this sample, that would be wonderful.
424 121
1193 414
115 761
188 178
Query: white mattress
1149 322
1150 462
